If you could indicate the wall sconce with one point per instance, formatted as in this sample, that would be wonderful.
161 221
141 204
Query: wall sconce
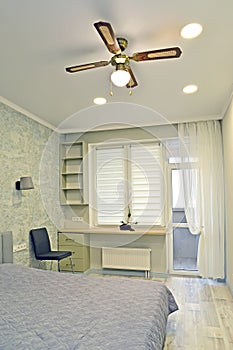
25 183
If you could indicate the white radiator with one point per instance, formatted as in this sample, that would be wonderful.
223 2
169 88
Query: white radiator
127 258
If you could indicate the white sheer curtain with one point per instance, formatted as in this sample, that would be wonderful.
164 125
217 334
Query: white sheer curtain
202 164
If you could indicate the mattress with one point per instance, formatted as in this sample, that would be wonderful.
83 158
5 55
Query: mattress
51 310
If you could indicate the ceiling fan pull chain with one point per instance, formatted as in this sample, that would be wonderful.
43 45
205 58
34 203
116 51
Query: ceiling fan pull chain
111 92
130 89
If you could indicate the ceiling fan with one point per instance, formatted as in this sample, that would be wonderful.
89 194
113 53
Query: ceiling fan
116 46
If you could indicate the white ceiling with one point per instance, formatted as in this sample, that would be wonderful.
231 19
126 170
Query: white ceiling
39 38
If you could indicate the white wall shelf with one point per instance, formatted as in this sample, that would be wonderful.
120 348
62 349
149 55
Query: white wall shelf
72 173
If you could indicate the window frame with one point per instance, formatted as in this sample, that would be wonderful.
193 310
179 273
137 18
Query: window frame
92 160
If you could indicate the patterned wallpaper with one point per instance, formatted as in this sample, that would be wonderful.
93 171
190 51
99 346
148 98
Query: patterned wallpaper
23 142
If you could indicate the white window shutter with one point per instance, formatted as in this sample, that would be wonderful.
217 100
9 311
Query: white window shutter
110 185
146 184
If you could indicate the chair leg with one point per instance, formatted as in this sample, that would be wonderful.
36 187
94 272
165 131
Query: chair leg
58 265
51 264
71 264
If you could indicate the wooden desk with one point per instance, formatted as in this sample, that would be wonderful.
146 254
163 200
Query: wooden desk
96 238
160 231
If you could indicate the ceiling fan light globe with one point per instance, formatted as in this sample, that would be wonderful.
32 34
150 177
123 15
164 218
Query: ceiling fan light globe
120 78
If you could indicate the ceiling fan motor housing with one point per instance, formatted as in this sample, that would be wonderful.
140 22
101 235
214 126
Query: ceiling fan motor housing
120 61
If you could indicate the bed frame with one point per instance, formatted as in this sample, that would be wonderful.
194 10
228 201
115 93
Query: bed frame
51 310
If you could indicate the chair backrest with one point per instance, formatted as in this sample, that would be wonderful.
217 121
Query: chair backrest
40 241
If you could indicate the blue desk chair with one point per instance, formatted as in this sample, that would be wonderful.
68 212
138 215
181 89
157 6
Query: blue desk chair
42 247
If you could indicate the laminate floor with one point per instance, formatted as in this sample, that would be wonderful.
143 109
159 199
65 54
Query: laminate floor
205 316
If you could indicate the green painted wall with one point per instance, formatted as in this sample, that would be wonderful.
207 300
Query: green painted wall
23 142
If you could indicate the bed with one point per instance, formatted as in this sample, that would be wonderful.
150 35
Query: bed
51 310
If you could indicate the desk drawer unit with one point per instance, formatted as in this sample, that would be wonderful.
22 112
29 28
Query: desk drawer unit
80 252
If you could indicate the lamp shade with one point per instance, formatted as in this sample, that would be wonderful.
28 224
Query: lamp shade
25 183
120 77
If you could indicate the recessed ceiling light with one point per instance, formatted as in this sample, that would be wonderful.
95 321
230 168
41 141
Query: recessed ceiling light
190 89
99 100
191 30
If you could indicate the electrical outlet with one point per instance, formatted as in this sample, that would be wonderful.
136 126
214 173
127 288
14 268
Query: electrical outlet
77 218
19 247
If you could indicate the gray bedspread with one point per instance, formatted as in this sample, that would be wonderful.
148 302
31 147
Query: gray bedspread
50 310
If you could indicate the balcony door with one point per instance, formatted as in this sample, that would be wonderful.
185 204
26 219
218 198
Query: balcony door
184 245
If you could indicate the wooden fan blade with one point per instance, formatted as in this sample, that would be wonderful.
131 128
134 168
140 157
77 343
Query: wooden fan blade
172 52
133 82
108 36
81 67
